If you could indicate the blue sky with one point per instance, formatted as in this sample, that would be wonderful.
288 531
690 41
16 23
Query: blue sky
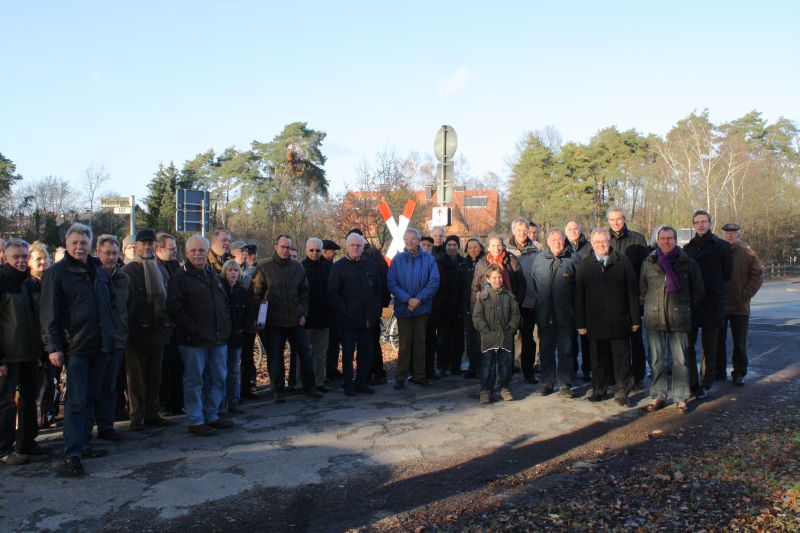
131 84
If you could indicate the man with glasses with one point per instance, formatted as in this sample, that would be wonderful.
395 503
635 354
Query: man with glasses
716 264
320 312
280 284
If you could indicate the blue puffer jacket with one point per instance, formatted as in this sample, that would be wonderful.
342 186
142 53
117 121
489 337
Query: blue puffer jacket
413 276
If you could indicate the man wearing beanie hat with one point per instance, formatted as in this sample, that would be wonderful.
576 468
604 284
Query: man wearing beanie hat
450 307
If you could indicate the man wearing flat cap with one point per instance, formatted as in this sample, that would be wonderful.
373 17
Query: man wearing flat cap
149 330
745 281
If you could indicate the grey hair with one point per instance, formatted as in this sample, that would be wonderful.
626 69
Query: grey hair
314 240
437 227
354 236
415 231
495 237
520 220
580 226
19 243
600 231
616 209
103 239
197 237
77 227
556 230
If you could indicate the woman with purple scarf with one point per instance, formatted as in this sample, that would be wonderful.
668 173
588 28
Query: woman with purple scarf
671 287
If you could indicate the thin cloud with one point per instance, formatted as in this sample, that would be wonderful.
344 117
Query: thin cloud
454 83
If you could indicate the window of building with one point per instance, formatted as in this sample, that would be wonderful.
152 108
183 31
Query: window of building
476 201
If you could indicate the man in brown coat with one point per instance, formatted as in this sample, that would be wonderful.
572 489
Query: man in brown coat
744 283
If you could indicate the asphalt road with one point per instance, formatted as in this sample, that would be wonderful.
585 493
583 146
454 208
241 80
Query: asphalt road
340 462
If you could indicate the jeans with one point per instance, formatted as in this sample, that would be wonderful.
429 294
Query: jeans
739 325
496 365
106 409
472 339
360 341
233 379
412 342
205 371
556 371
18 436
318 340
274 339
678 344
84 380
708 340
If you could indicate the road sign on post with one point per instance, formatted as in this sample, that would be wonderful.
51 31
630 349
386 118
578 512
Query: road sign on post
192 210
444 148
122 205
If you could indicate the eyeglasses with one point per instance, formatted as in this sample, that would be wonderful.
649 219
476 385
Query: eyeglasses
317 251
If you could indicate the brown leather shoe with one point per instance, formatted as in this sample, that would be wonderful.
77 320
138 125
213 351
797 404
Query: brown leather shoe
682 407
202 430
655 405
219 423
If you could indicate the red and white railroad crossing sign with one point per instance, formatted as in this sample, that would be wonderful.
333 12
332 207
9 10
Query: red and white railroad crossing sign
396 228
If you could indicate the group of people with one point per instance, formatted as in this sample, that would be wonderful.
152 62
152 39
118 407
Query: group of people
178 336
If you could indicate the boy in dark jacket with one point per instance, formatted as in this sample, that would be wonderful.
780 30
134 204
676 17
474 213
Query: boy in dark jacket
496 317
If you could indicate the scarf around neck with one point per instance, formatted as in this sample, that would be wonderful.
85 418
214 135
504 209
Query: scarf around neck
154 285
500 261
670 278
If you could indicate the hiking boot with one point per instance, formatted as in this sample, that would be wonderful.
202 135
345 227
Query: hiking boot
202 430
506 395
71 467
484 400
220 424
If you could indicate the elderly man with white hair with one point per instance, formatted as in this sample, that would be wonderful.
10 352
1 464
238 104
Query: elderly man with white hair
77 318
320 312
198 305
355 291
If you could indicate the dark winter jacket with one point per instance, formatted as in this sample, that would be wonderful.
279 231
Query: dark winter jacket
452 280
744 283
123 294
170 266
714 257
145 329
413 276
664 311
284 285
514 273
582 248
631 244
321 314
555 290
20 335
383 271
518 250
78 306
355 291
198 306
496 317
526 266
469 271
606 298
238 301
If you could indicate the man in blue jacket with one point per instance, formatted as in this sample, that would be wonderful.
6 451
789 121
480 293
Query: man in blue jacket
413 280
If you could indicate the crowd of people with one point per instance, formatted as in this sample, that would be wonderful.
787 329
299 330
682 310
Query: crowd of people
144 335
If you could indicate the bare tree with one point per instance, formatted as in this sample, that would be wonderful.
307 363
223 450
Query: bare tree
94 177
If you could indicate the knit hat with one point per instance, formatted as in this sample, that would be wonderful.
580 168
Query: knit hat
453 238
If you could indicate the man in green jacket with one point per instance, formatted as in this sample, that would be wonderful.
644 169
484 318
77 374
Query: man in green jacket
20 351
